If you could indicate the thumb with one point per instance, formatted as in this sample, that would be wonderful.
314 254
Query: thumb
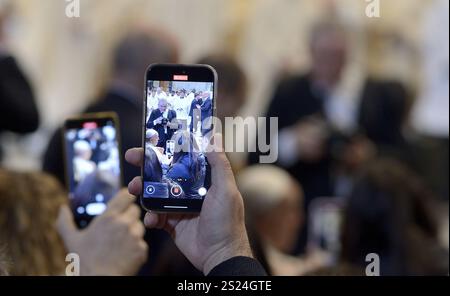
65 224
220 165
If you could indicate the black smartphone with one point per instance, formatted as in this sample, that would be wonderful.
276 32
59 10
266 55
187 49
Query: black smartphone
92 162
179 110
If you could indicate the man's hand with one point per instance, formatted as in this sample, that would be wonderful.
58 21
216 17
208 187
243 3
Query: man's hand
218 233
113 242
158 120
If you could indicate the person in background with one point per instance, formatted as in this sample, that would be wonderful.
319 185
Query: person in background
390 213
201 112
152 101
82 163
181 105
38 230
232 89
231 95
160 93
430 112
152 138
274 214
18 110
156 161
195 112
326 134
171 98
188 167
133 54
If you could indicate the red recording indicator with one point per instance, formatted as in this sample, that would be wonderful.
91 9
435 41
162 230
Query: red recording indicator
90 125
180 77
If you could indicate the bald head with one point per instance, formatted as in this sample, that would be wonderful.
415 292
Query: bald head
162 105
273 204
264 187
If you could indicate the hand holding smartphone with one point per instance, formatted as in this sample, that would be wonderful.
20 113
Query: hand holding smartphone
92 161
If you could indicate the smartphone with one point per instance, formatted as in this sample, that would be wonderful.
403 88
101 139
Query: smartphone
92 162
325 218
179 110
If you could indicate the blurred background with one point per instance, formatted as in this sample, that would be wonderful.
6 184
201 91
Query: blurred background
400 59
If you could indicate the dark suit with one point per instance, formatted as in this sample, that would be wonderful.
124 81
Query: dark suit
189 172
205 113
164 131
152 168
18 111
381 111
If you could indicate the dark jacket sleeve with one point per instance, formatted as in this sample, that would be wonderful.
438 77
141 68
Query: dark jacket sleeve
238 266
153 117
206 106
53 162
18 111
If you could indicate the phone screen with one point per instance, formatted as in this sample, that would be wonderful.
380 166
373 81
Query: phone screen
325 215
92 164
178 127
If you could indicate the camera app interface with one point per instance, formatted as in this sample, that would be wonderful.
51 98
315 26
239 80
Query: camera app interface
94 167
178 126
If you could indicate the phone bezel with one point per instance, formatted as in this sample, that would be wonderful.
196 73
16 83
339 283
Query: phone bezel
165 72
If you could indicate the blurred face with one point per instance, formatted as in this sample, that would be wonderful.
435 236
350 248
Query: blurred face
182 94
154 140
329 56
162 106
281 226
84 153
198 95
158 91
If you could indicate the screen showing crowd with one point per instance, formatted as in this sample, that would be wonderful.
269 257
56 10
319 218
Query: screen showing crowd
94 163
178 125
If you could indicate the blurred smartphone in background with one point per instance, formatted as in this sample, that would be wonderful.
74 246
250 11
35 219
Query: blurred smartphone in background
324 226
92 163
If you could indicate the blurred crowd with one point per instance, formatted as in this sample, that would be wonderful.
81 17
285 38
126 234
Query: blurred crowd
352 176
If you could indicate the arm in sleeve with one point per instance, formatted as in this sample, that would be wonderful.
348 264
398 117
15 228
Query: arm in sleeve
18 110
238 266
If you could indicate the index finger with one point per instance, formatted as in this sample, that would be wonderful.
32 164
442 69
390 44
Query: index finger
220 165
120 202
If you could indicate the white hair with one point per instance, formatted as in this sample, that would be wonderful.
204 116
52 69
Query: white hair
81 146
150 133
